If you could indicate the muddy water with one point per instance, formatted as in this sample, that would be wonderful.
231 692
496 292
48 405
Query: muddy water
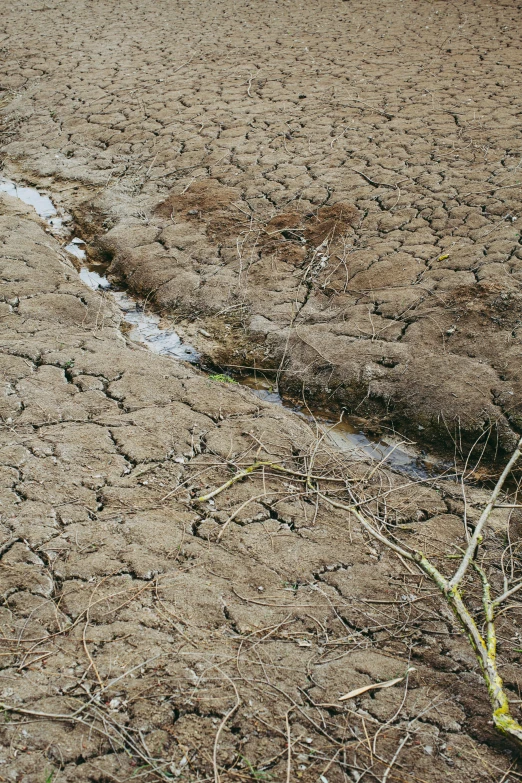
147 328
39 201
347 433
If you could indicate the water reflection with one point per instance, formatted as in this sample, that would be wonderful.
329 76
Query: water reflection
347 434
145 326
146 329
41 203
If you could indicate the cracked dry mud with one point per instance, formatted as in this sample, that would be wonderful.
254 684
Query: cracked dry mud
328 185
214 140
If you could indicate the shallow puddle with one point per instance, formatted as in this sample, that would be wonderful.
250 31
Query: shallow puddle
262 388
347 434
41 203
75 248
146 328
93 279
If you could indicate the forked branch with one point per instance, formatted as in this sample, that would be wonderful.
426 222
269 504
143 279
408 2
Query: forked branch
485 647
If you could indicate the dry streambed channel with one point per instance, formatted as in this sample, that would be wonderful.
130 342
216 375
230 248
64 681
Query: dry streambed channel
147 328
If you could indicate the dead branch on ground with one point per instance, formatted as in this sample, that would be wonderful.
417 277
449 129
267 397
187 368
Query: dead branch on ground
484 645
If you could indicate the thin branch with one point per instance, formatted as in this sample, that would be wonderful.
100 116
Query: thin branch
402 743
289 741
477 535
264 464
222 725
507 594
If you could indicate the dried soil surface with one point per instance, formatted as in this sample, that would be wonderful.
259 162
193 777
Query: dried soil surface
337 183
127 599
216 144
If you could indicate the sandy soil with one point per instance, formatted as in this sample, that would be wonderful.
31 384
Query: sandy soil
213 153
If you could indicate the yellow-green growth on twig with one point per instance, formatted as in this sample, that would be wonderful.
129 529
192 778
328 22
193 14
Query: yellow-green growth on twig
485 648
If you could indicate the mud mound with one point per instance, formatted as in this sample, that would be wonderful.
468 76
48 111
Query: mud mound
198 200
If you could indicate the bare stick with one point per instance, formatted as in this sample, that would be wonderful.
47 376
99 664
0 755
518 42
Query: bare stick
402 743
477 535
265 464
507 594
222 725
289 742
